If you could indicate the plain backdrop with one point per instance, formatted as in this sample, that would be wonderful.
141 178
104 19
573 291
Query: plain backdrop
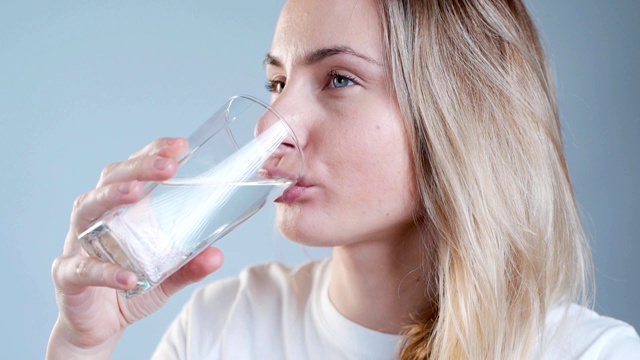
86 83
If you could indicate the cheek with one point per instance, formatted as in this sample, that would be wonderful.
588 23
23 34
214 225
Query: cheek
381 149
367 184
379 168
392 186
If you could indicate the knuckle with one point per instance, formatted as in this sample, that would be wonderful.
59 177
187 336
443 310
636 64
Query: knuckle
106 171
59 273
150 149
105 275
55 268
139 153
77 203
103 194
82 269
159 142
156 146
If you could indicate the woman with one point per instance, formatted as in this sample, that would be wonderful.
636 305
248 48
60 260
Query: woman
434 168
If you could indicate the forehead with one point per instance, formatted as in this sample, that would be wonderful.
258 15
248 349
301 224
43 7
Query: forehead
308 25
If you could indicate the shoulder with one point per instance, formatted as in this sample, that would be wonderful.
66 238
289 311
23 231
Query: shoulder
577 332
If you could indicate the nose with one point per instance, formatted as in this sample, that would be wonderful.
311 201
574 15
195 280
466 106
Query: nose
286 161
291 112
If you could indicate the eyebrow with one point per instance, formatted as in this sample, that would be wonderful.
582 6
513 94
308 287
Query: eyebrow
321 54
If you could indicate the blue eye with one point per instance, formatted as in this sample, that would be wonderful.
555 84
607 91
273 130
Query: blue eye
340 81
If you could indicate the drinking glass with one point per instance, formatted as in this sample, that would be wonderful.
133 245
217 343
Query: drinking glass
244 156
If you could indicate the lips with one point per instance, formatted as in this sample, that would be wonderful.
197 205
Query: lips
293 193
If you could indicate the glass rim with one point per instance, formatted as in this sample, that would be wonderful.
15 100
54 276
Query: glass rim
280 118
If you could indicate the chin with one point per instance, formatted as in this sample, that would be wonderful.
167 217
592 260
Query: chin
299 228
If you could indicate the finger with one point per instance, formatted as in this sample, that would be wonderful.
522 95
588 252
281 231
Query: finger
147 168
73 274
154 162
91 205
198 268
165 147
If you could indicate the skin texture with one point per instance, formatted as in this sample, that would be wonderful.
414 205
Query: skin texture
92 314
327 73
326 67
358 183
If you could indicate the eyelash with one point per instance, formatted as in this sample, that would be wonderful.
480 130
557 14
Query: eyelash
335 74
272 85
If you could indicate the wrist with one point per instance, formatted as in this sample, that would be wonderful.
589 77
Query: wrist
65 345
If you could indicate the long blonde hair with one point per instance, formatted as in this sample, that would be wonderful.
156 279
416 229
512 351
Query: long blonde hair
498 215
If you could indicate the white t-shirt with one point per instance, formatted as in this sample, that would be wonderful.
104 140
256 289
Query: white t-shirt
273 312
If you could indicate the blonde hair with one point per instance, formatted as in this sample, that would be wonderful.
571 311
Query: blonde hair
498 216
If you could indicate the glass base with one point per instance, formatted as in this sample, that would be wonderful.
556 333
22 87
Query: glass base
101 242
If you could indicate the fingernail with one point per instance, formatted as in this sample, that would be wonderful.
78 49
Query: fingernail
122 278
170 141
160 164
124 188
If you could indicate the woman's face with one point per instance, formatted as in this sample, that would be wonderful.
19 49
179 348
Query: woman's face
328 79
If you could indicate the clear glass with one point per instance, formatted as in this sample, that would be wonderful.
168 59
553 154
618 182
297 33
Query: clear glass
243 157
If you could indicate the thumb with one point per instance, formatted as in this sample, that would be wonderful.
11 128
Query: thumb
205 263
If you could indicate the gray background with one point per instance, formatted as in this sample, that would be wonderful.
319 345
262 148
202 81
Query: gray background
85 83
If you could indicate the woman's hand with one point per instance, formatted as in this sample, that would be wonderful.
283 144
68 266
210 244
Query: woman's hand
92 314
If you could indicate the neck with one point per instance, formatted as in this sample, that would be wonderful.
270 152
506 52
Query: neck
380 284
